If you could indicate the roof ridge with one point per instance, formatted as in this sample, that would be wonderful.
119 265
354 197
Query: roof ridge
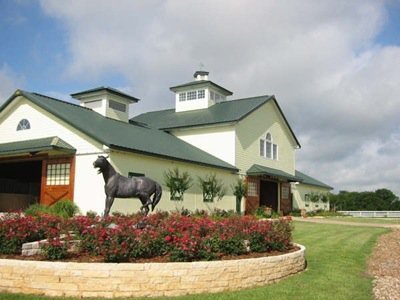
253 97
221 102
80 107
58 100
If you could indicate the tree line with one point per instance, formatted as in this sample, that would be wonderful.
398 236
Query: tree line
381 199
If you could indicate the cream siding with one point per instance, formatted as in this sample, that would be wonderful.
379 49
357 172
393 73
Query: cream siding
251 129
89 186
154 168
218 141
299 192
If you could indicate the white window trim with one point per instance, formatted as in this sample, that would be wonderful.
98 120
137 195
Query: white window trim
267 142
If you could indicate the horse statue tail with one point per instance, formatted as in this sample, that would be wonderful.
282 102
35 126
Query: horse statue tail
157 196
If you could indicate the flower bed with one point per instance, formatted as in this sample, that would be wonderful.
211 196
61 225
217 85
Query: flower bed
129 238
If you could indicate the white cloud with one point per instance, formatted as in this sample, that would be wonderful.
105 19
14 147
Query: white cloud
337 86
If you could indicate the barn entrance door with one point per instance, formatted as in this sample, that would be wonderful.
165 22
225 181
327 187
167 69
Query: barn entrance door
57 180
269 194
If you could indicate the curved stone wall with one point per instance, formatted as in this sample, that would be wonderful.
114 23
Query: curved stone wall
147 279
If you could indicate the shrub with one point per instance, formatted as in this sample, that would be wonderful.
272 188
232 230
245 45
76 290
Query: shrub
177 183
37 209
263 212
55 249
64 208
124 238
212 188
16 229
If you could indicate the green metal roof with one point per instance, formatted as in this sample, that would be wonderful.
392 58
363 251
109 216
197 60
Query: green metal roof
222 112
201 82
36 145
125 136
311 181
108 89
257 170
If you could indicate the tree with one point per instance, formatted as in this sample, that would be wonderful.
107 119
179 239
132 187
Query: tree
212 188
177 183
381 199
240 191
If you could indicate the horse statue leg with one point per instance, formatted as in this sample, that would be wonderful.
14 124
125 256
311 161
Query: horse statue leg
146 201
109 203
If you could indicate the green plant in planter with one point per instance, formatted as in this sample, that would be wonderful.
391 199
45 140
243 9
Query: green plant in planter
240 191
212 188
178 183
263 212
314 198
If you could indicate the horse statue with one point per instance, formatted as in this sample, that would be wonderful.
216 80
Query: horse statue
119 186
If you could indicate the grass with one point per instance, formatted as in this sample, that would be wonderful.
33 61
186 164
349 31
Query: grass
336 256
366 220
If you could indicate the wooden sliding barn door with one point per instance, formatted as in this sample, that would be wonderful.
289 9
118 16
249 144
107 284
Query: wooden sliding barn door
57 180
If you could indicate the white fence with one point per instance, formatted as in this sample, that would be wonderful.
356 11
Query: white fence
372 214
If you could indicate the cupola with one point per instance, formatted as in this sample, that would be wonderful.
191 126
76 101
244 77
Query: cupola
107 101
198 94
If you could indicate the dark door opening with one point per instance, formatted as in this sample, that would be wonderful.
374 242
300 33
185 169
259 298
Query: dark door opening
19 184
269 194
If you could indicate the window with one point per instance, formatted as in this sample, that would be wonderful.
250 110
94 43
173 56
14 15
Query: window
274 151
212 95
192 95
267 148
262 148
182 97
252 189
133 174
23 125
307 200
201 94
117 106
58 174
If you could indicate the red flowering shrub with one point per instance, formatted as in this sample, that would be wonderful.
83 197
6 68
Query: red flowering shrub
16 229
124 238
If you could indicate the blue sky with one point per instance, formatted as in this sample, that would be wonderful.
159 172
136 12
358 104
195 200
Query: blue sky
334 66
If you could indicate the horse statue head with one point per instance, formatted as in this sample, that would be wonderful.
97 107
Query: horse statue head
101 163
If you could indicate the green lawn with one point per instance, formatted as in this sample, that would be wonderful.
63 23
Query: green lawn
336 256
366 220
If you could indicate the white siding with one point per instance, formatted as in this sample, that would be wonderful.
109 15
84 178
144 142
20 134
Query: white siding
43 124
218 141
192 104
88 190
89 186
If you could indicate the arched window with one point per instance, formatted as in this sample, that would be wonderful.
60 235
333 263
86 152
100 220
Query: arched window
23 125
267 148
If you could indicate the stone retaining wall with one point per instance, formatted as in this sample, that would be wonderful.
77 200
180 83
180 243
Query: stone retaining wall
144 279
